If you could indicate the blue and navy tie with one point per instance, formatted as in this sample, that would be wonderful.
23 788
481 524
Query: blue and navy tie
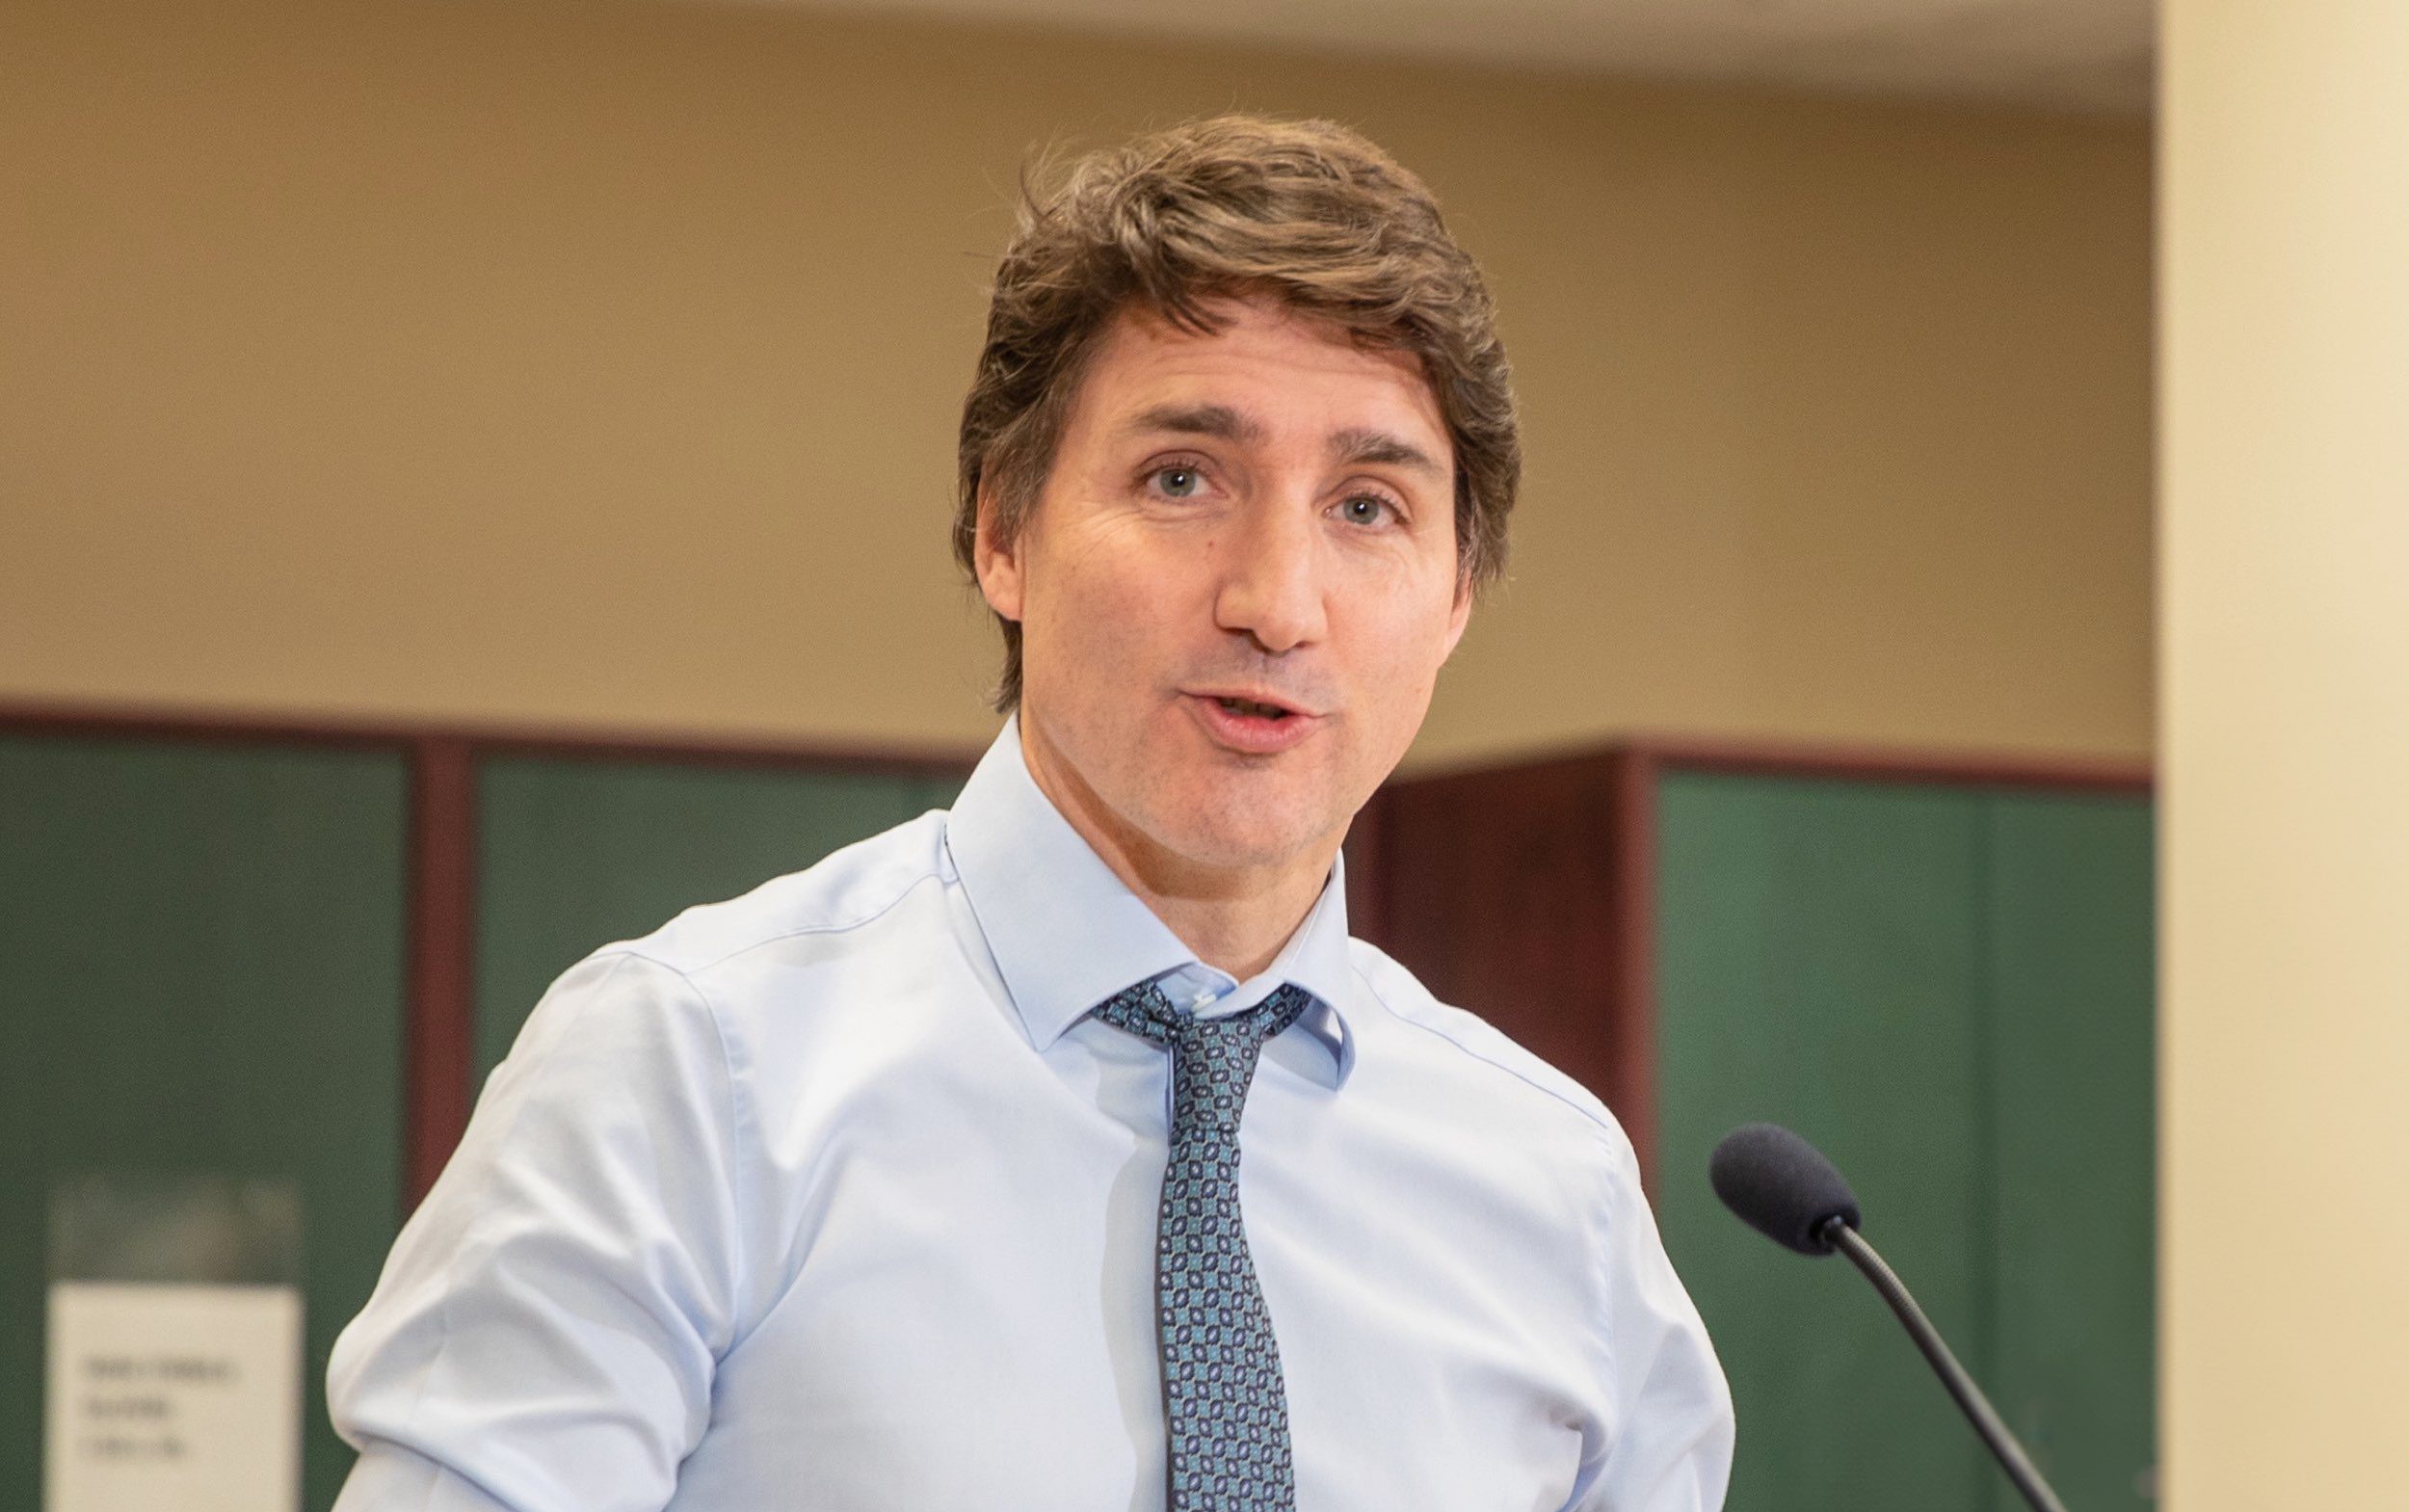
1224 1406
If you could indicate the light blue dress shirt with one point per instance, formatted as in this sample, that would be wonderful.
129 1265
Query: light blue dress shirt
832 1198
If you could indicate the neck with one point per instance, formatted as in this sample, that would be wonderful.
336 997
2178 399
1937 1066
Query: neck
1236 918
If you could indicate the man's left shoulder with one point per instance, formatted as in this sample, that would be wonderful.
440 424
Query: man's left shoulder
1478 1052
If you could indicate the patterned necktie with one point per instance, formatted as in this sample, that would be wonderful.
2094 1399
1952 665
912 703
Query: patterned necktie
1224 1404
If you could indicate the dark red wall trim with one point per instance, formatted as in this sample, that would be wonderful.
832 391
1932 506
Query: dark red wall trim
439 1039
565 743
1630 915
73 720
1845 763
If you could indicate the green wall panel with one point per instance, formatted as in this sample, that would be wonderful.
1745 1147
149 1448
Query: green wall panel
573 854
1819 967
204 977
2072 1047
1952 991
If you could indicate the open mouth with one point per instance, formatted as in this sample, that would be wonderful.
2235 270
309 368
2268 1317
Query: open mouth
1252 727
1249 707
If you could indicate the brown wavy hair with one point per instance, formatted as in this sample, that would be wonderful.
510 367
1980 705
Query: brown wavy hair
1305 212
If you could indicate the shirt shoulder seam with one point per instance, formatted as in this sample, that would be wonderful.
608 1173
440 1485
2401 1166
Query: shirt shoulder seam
1596 1215
1598 1125
737 1327
637 948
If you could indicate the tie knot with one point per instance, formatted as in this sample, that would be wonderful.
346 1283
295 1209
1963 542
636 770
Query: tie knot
1145 1011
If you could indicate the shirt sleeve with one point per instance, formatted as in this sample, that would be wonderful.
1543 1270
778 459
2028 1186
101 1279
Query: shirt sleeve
544 1334
1669 1448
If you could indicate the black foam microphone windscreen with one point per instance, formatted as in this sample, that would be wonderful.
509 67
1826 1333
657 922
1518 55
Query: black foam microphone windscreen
1782 1186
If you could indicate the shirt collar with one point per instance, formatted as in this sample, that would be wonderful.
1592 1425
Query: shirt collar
1067 933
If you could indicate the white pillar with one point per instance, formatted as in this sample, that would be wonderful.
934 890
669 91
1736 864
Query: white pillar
2284 577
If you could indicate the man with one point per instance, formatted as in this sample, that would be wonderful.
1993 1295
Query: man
912 1179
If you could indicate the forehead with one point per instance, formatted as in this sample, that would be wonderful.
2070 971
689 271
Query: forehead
1291 375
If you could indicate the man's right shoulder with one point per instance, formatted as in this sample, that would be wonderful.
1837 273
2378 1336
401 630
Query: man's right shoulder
842 894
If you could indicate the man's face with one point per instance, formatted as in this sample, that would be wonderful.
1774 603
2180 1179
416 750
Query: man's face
1266 513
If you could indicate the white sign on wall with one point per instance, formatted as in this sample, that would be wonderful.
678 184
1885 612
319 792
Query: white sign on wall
173 1396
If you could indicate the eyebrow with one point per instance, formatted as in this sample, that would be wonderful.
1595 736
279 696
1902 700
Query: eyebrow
1352 445
1359 445
1217 421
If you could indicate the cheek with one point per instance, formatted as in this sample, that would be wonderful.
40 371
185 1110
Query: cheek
1409 639
1399 666
1107 609
1100 616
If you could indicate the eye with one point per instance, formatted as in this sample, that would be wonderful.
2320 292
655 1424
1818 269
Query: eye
1364 509
1178 481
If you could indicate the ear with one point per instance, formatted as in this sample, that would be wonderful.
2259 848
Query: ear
1459 614
997 561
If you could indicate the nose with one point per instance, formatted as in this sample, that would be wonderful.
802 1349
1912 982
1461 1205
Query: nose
1271 579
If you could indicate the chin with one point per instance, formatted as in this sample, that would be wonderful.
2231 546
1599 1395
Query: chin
1252 838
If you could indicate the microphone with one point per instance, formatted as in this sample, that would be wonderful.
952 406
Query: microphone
1783 1187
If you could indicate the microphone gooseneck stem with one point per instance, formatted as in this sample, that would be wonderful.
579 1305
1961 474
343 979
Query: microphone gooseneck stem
1969 1397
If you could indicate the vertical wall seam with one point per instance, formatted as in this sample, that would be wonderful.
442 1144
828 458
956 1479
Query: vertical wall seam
1988 1143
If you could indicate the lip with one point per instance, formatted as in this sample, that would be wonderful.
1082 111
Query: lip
1250 733
1250 694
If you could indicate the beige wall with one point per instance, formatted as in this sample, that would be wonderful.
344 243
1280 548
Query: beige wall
2285 1029
598 364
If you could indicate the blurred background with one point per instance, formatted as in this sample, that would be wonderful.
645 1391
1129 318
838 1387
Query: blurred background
475 474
